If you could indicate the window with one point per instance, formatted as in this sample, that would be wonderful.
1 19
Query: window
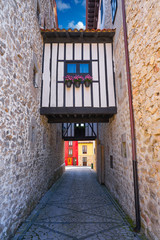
101 11
84 68
114 9
35 76
111 161
77 68
71 68
70 143
123 146
84 149
70 152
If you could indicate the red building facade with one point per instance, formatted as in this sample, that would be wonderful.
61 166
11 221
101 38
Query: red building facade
71 153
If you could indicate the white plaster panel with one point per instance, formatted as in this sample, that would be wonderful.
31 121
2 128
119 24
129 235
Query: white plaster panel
95 70
53 74
61 71
69 51
78 97
95 94
87 96
86 51
78 51
102 75
46 76
69 96
111 94
94 51
61 51
60 94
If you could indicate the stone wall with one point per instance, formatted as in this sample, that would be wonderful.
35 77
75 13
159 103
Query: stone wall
115 135
144 47
31 150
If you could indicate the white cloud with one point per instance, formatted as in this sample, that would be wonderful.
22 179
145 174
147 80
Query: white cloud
84 3
62 6
79 25
76 1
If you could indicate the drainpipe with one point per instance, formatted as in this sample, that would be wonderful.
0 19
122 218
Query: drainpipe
133 140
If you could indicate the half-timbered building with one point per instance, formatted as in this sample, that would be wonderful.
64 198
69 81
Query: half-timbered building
73 52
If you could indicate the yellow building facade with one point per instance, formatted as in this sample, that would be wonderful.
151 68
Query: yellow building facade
86 154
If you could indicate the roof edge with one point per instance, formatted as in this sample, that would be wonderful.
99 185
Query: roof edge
70 30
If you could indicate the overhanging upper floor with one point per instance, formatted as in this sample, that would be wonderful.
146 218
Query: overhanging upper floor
73 53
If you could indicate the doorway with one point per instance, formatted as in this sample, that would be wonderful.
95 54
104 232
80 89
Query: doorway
69 161
74 161
84 161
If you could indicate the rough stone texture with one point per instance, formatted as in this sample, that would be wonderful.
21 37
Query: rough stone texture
31 150
144 47
115 135
143 24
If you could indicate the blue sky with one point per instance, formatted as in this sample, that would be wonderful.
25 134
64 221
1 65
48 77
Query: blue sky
71 13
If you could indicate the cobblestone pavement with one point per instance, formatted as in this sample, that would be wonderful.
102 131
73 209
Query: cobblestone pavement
76 207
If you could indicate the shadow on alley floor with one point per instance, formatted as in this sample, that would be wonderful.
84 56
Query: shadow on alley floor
76 207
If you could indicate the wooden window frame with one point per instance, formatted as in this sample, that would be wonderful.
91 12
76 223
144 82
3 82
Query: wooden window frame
77 67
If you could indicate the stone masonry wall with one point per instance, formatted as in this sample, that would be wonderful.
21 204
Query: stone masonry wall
143 24
115 135
31 150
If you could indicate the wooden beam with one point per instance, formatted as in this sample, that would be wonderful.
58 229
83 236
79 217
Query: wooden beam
77 111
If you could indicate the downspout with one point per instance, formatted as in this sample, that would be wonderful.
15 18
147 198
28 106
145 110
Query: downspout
133 140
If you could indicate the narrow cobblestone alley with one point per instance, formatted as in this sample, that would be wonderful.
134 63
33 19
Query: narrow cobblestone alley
76 207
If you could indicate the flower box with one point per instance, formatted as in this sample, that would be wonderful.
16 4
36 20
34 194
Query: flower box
77 80
68 81
87 80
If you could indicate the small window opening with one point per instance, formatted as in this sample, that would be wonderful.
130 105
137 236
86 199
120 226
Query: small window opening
124 152
77 68
120 81
111 161
123 146
70 152
44 23
70 143
35 77
84 149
